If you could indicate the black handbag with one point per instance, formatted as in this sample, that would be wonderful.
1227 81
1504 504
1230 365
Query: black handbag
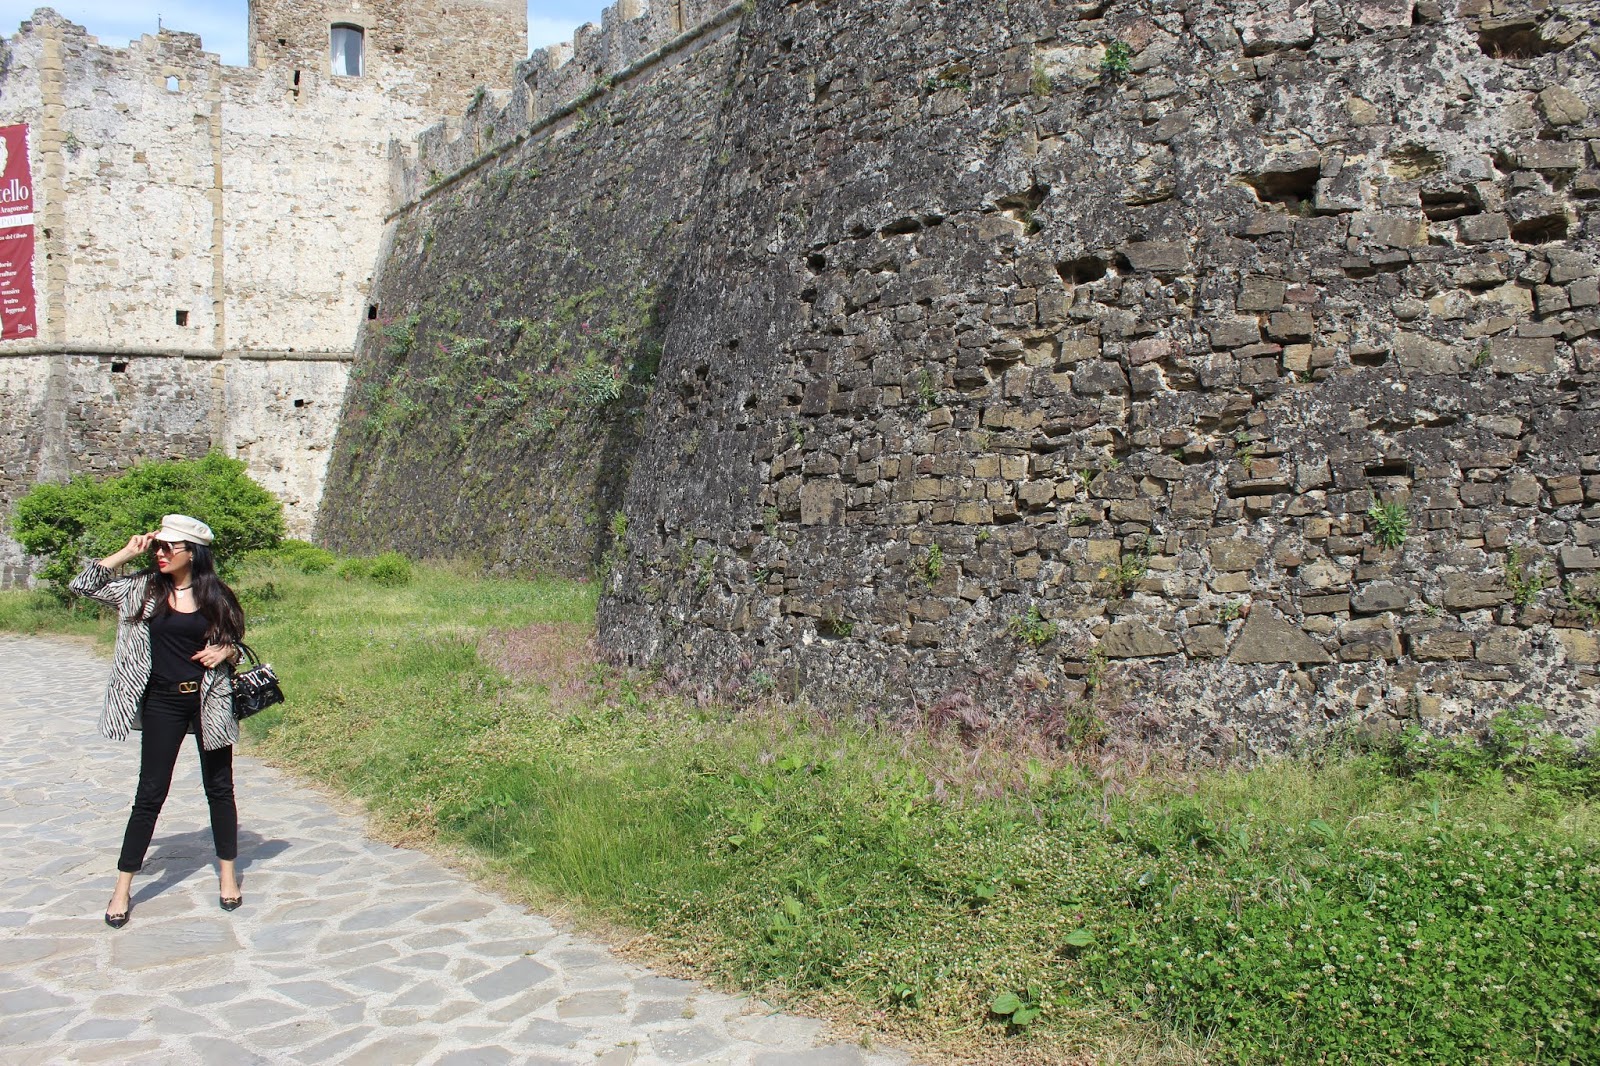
255 688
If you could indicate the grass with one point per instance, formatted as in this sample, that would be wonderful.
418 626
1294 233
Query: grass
1418 901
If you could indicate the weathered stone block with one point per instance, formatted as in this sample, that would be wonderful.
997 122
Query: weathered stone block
1479 229
1383 14
1193 500
1151 350
1205 642
1466 592
1564 489
1502 646
1261 294
1580 646
1561 106
1382 596
1161 257
1424 355
1576 558
1234 555
1522 356
1368 640
1438 645
1235 332
1099 378
1567 264
1551 155
1390 230
1331 604
1291 326
1324 574
822 503
1268 637
1136 640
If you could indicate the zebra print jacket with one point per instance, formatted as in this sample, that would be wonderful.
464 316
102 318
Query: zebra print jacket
130 664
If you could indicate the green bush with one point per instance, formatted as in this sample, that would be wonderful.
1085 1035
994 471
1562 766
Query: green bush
355 568
390 569
89 519
298 555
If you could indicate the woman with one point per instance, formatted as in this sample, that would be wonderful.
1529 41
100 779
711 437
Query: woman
177 636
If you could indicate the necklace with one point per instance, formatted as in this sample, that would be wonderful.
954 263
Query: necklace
182 588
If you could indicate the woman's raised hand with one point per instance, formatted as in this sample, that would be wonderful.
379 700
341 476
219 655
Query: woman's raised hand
137 545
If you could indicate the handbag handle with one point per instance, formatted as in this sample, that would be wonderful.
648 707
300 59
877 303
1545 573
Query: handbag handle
248 652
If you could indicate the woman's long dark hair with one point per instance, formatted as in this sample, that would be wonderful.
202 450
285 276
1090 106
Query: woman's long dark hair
212 596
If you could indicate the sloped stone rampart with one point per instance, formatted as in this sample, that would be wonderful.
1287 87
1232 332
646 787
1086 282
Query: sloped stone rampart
1077 361
498 395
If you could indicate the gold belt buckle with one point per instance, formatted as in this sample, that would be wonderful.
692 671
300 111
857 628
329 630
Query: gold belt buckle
188 686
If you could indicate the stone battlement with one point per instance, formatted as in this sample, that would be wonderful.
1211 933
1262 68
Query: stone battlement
552 84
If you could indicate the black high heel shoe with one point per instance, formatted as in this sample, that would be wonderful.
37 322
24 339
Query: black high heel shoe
116 921
227 903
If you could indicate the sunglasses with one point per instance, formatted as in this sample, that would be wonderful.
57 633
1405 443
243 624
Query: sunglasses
171 548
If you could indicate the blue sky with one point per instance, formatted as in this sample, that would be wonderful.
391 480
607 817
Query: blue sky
221 23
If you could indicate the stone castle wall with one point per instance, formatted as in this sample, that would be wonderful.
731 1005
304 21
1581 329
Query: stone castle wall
497 402
1057 362
1000 381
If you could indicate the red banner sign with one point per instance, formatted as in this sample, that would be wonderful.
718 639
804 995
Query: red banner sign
17 321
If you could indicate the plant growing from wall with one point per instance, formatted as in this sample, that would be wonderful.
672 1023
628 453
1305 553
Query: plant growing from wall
956 76
1245 452
1041 83
1124 576
594 384
399 335
1584 602
1117 61
932 564
927 392
832 624
1391 523
617 551
1032 628
1524 580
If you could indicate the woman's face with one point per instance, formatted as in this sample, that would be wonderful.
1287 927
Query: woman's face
173 557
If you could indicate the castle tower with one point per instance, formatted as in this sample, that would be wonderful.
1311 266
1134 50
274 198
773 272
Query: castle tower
434 55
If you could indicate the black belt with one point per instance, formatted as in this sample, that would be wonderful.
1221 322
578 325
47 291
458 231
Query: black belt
186 688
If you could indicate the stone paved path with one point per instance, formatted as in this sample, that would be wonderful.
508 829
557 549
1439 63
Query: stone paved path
346 950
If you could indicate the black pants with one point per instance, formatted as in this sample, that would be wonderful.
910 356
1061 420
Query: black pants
168 717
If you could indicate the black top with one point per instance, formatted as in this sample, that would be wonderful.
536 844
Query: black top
174 637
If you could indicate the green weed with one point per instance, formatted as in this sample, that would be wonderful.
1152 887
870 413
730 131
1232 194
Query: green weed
1117 61
1524 581
1391 523
1032 628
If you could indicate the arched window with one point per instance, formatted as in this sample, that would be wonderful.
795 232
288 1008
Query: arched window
345 45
